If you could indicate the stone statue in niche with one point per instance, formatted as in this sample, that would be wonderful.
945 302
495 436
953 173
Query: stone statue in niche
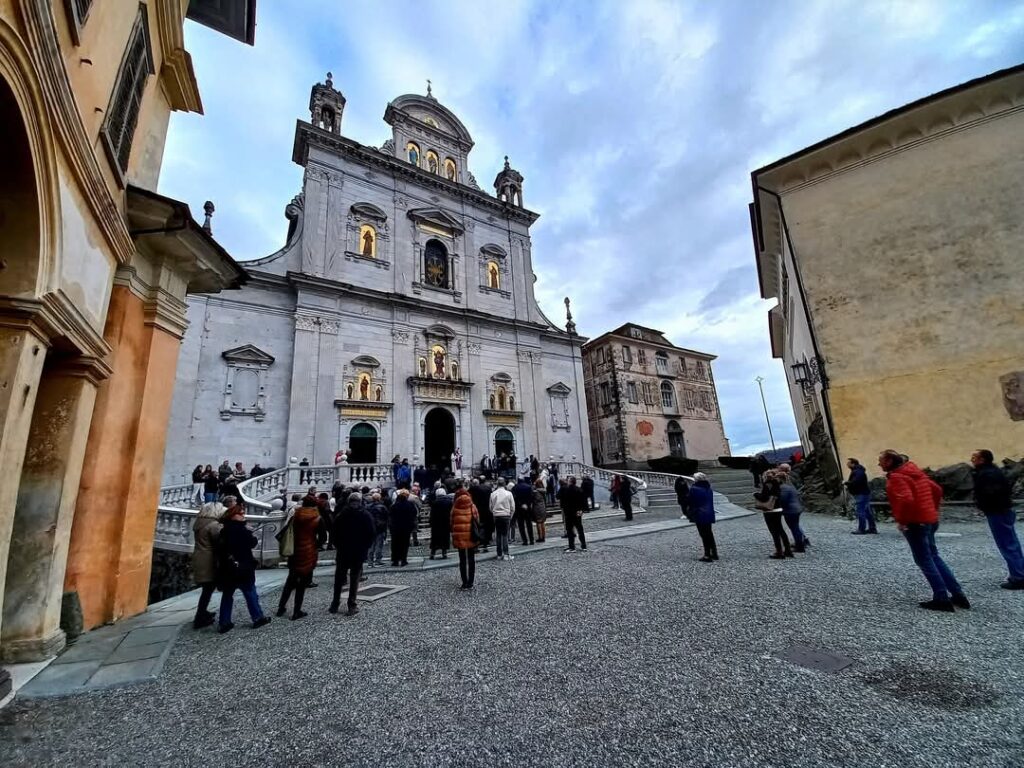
501 399
423 367
367 243
1012 385
511 402
364 388
439 362
327 119
450 171
492 401
414 156
493 275
455 371
348 390
432 163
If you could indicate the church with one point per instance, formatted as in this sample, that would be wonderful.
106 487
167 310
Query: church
398 318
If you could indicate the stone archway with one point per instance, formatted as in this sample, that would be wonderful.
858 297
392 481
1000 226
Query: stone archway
676 440
438 438
362 441
504 442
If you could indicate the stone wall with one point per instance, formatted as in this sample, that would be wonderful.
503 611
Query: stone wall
171 575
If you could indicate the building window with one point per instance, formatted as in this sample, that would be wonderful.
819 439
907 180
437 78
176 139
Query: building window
661 362
435 264
648 394
636 333
627 355
682 365
700 370
449 169
631 392
641 357
126 100
412 152
605 393
78 11
668 395
432 163
600 354
676 443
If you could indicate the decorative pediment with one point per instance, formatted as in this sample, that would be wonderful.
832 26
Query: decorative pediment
435 217
366 361
493 251
439 330
248 354
559 389
502 377
368 211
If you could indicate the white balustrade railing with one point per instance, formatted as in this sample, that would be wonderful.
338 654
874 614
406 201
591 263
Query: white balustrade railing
177 496
603 478
174 531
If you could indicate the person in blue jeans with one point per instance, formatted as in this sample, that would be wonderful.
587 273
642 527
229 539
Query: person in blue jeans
857 486
792 507
993 496
921 538
236 567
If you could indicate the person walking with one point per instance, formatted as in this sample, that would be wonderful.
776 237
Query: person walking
379 513
236 567
993 496
571 500
205 529
857 486
540 510
700 505
211 484
464 512
767 500
522 492
626 496
682 492
307 525
197 486
403 520
354 532
613 490
792 508
440 525
502 504
480 491
914 499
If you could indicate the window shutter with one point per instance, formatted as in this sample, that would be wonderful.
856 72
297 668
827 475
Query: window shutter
126 101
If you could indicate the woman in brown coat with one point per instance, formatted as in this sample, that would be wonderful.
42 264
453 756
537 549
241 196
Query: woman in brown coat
463 514
205 531
306 524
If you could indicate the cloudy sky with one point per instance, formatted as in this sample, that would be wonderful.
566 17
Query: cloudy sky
636 124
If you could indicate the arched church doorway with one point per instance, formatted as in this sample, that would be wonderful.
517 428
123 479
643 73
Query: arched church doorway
362 441
20 227
438 438
676 443
504 442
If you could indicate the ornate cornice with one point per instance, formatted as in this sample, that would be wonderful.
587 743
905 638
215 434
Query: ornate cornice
54 316
177 77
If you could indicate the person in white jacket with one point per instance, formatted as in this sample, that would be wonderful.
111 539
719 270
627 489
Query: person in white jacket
502 505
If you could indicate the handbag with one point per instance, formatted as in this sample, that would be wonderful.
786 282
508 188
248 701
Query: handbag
286 538
476 535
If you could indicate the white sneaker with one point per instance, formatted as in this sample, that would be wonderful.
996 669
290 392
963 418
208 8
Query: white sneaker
510 558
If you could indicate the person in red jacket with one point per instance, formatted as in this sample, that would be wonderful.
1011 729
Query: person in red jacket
914 499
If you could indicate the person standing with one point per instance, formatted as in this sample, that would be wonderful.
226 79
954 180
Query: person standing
303 473
354 532
306 525
914 499
236 567
403 520
613 490
626 495
540 509
571 500
211 484
464 512
523 495
205 529
700 505
223 471
502 504
857 486
440 525
379 513
767 500
792 508
587 487
416 497
480 492
993 496
682 492
197 486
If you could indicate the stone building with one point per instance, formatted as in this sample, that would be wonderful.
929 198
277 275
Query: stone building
648 398
398 318
895 252
95 270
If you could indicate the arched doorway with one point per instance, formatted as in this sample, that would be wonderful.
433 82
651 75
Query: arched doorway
676 443
362 441
438 438
504 442
20 229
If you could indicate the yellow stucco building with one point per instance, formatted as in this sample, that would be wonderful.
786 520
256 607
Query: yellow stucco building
896 251
94 270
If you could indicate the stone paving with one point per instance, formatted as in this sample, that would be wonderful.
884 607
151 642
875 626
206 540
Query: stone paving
631 654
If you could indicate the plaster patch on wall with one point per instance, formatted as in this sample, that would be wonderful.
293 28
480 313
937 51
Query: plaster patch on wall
1012 385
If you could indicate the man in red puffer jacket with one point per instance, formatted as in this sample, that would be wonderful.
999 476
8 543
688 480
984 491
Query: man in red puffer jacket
915 499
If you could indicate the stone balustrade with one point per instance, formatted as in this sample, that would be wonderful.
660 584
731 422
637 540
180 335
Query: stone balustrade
177 496
603 478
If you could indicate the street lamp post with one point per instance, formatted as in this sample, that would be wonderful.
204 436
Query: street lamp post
764 405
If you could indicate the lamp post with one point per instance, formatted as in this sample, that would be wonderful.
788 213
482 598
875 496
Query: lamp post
764 405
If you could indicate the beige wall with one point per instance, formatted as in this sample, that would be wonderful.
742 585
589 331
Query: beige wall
914 270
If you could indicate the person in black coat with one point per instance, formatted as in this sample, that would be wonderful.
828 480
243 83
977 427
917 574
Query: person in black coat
236 567
993 496
571 500
682 494
626 496
522 492
353 530
480 493
440 525
403 520
587 487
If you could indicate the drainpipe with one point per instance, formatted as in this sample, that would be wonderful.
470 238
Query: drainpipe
810 326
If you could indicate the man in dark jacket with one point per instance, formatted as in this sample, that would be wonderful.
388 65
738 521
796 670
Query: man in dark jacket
522 492
480 493
682 493
857 485
626 496
440 525
403 520
993 496
353 531
587 487
571 500
236 567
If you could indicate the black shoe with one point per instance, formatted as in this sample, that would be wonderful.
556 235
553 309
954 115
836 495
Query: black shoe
946 606
203 621
873 530
789 553
261 622
299 615
352 610
225 628
859 533
706 559
281 610
583 548
799 550
960 601
777 556
333 608
444 557
464 586
1011 584
714 555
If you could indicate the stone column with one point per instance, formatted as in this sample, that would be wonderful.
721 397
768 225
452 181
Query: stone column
45 508
324 438
304 371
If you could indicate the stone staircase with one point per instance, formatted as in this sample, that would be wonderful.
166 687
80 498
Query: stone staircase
737 485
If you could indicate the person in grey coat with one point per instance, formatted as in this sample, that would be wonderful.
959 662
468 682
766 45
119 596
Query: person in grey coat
792 507
205 529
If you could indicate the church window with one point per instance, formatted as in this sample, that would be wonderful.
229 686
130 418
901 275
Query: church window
493 275
668 395
631 392
244 386
449 169
432 162
368 241
412 151
627 355
126 99
435 264
79 10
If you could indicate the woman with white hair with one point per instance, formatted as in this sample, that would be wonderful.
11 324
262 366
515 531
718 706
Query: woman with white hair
205 529
700 509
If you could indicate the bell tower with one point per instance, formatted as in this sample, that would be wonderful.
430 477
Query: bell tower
508 186
326 106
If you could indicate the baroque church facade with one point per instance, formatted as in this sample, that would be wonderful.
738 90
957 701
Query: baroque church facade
398 318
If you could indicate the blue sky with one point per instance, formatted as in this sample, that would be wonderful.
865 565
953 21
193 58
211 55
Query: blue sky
636 125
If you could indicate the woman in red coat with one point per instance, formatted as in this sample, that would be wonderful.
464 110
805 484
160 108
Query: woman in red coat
306 525
464 512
